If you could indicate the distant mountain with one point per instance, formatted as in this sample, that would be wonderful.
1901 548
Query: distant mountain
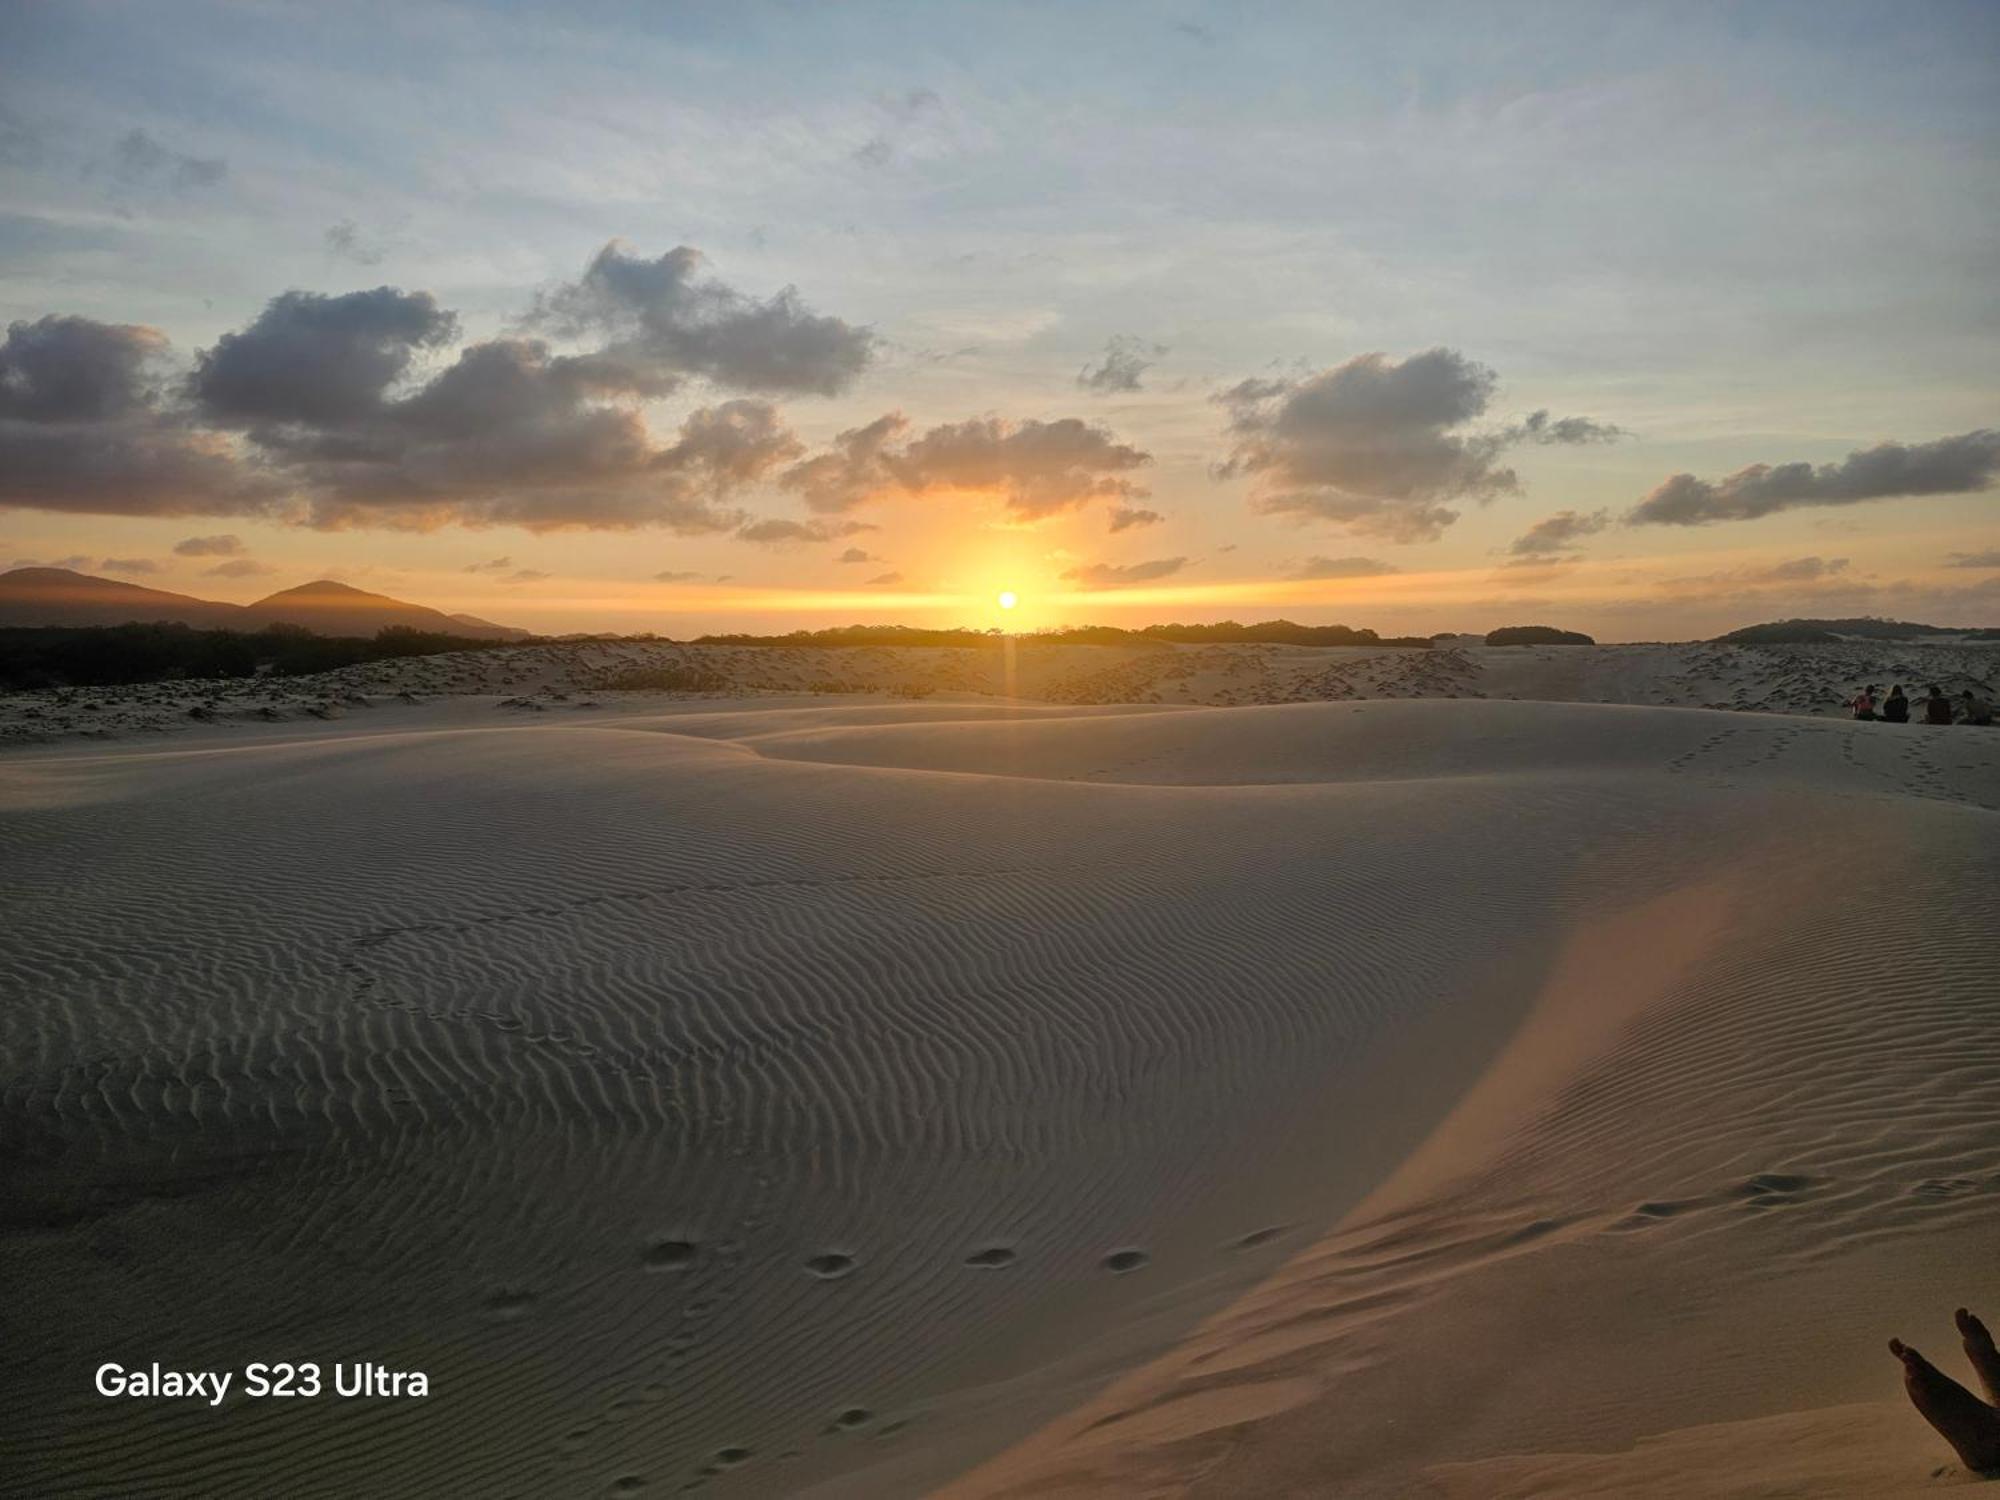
1825 632
328 608
58 596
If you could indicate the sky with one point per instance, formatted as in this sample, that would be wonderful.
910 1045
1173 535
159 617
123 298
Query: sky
1647 320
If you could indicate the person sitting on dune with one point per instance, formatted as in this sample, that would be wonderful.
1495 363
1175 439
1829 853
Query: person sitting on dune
1976 709
1895 707
1970 1425
1937 707
1864 703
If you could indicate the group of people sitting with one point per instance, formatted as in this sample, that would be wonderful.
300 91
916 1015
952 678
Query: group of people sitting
1895 709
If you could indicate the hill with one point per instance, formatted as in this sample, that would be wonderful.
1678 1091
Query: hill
58 596
1826 632
328 608
40 597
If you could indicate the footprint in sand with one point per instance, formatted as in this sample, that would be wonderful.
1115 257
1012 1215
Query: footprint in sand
1119 1262
830 1266
991 1258
1258 1237
668 1255
505 1306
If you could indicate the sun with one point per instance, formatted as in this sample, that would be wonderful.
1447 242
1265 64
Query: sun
1008 599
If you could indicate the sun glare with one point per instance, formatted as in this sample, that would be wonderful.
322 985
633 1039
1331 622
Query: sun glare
1008 599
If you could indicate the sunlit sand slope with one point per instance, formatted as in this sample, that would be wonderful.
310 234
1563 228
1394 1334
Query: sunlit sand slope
1347 1098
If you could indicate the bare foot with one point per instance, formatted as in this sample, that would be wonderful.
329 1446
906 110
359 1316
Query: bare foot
1979 1349
1961 1418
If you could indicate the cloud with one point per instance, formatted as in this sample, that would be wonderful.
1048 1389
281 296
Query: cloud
1558 533
779 531
1342 567
1539 427
491 565
1106 576
856 555
209 546
315 360
1035 468
854 471
75 562
884 579
345 241
236 567
1947 466
140 161
83 429
1125 360
66 369
1378 445
674 577
664 321
528 575
1125 517
509 433
1797 570
129 565
1990 558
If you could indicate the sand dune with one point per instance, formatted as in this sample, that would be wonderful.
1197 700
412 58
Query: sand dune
595 676
1370 1098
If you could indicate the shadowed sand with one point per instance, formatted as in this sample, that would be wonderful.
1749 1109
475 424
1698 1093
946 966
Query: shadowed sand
1389 1098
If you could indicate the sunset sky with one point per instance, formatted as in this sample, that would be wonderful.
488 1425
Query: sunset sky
1649 321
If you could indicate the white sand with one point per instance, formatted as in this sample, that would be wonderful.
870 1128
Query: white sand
1485 1098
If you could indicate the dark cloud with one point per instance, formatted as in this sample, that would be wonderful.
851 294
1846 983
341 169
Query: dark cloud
1342 567
528 575
1990 558
1381 446
1107 576
673 577
883 579
511 434
316 360
1125 360
1558 533
209 546
875 152
856 555
854 471
779 531
236 567
1035 468
662 319
64 369
491 565
140 161
1948 466
82 429
129 565
1125 517
346 241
